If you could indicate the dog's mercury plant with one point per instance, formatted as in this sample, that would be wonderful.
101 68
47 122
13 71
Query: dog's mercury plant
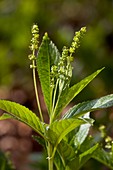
65 137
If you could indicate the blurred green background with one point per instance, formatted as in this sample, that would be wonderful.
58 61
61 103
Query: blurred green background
60 18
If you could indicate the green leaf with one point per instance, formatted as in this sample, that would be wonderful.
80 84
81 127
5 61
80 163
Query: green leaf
81 159
43 67
88 106
23 114
104 157
48 55
82 133
66 151
70 93
99 154
59 129
39 140
54 54
85 156
64 154
58 162
5 116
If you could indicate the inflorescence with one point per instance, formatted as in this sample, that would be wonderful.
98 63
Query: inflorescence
63 71
34 44
60 73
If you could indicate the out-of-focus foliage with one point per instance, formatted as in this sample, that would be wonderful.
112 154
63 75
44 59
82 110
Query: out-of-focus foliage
38 161
4 163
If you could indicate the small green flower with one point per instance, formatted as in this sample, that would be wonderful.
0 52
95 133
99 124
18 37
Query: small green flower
108 139
31 57
102 130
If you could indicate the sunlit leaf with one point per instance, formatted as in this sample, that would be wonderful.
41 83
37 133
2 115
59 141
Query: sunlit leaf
59 129
54 54
5 116
43 67
23 114
48 55
89 106
82 158
82 133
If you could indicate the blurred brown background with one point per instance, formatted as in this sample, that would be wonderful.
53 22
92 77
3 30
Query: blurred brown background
60 18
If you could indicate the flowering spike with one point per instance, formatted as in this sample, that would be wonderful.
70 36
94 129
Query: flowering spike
64 53
35 37
62 72
76 40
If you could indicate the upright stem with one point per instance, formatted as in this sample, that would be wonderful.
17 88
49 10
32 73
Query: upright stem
53 114
54 96
36 91
50 159
32 57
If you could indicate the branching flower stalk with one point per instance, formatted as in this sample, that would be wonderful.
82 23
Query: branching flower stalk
32 57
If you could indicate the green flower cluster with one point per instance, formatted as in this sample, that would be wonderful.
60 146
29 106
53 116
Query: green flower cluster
76 40
63 71
109 142
107 139
34 44
35 37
